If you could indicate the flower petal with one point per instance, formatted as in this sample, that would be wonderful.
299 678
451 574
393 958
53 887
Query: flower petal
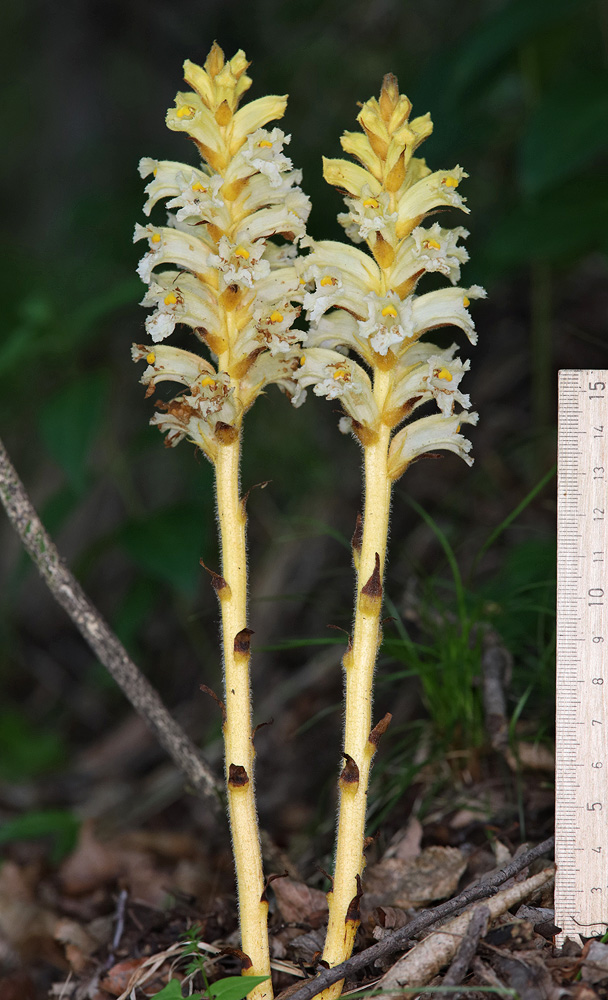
429 434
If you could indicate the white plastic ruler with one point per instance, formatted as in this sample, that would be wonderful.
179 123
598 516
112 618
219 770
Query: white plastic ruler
581 781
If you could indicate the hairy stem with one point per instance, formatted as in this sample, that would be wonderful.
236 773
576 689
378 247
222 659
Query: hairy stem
239 752
359 742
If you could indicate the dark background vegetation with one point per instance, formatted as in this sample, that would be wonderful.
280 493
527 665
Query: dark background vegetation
518 93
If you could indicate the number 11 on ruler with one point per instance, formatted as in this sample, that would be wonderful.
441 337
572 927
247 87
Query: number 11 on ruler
581 766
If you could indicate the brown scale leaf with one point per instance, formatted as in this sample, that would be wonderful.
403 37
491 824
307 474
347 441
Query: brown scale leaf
237 776
242 641
373 587
380 729
350 771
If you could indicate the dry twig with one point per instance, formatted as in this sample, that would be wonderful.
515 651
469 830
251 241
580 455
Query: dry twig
68 592
425 960
395 941
468 946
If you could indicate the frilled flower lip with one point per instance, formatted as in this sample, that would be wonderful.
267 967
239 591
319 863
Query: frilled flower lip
336 377
427 435
432 373
389 324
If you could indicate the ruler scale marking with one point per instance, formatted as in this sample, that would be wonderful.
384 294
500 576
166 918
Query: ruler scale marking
581 809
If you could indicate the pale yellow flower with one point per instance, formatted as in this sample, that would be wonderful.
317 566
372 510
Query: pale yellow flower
235 288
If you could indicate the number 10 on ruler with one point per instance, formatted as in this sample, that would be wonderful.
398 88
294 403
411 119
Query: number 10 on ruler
581 792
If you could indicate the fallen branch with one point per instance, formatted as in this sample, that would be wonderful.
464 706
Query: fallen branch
395 941
109 650
425 960
477 927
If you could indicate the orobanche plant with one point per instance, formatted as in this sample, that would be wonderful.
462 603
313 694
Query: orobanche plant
366 305
240 292
218 268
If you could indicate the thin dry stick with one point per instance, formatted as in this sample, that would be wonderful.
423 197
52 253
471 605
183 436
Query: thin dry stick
467 948
109 650
395 941
418 966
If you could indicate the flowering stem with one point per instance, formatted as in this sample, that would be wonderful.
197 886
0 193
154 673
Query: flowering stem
239 753
359 663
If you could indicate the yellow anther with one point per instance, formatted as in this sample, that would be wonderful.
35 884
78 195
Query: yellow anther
208 381
466 302
444 373
276 317
432 243
370 203
389 311
155 237
265 144
170 299
450 182
458 428
198 187
151 358
185 111
155 171
242 252
302 360
327 280
341 373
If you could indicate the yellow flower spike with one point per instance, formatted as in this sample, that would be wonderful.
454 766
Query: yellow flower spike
232 275
375 313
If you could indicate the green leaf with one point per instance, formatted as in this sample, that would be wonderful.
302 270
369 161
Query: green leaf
173 991
70 422
235 987
566 132
232 988
59 824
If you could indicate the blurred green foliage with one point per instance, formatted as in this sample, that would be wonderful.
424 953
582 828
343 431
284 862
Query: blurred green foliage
59 826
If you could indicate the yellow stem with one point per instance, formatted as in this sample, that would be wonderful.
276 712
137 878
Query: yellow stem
239 752
359 666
